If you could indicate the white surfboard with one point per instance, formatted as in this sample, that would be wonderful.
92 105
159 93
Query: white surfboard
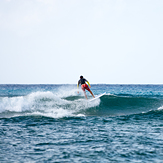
98 96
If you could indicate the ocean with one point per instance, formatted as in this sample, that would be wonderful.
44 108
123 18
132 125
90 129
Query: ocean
53 124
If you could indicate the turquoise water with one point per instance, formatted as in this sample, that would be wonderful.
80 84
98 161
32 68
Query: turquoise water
53 123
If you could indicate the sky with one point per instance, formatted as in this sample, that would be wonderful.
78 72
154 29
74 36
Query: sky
56 41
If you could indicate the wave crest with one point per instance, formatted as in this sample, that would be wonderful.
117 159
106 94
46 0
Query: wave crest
46 104
58 105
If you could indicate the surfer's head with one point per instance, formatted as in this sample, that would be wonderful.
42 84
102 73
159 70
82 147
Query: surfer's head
81 77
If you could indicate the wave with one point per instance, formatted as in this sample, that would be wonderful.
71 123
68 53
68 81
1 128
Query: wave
70 104
48 104
125 105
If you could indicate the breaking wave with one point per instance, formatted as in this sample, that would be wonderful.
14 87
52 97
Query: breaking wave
70 104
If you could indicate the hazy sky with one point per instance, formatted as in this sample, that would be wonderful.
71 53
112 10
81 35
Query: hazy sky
56 41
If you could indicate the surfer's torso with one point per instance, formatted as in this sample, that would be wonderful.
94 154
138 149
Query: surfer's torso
82 81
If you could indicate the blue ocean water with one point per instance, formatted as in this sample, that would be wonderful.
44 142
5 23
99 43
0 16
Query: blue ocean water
53 123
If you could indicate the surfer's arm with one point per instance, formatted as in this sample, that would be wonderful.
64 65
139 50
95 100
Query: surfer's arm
88 84
78 86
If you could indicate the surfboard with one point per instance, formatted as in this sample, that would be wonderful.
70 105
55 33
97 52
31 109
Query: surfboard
98 96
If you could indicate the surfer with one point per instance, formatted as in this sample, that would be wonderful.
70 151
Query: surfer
84 86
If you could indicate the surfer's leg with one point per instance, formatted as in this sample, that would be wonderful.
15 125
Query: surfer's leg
85 95
83 88
91 93
88 89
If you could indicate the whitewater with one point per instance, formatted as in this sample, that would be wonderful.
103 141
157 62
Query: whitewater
53 123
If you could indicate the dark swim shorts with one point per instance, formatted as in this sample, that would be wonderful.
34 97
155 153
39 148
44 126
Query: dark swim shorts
85 86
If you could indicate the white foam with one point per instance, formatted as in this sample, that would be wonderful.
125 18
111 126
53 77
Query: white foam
12 104
160 108
57 113
46 104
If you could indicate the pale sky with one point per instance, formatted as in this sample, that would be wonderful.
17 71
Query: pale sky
56 41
